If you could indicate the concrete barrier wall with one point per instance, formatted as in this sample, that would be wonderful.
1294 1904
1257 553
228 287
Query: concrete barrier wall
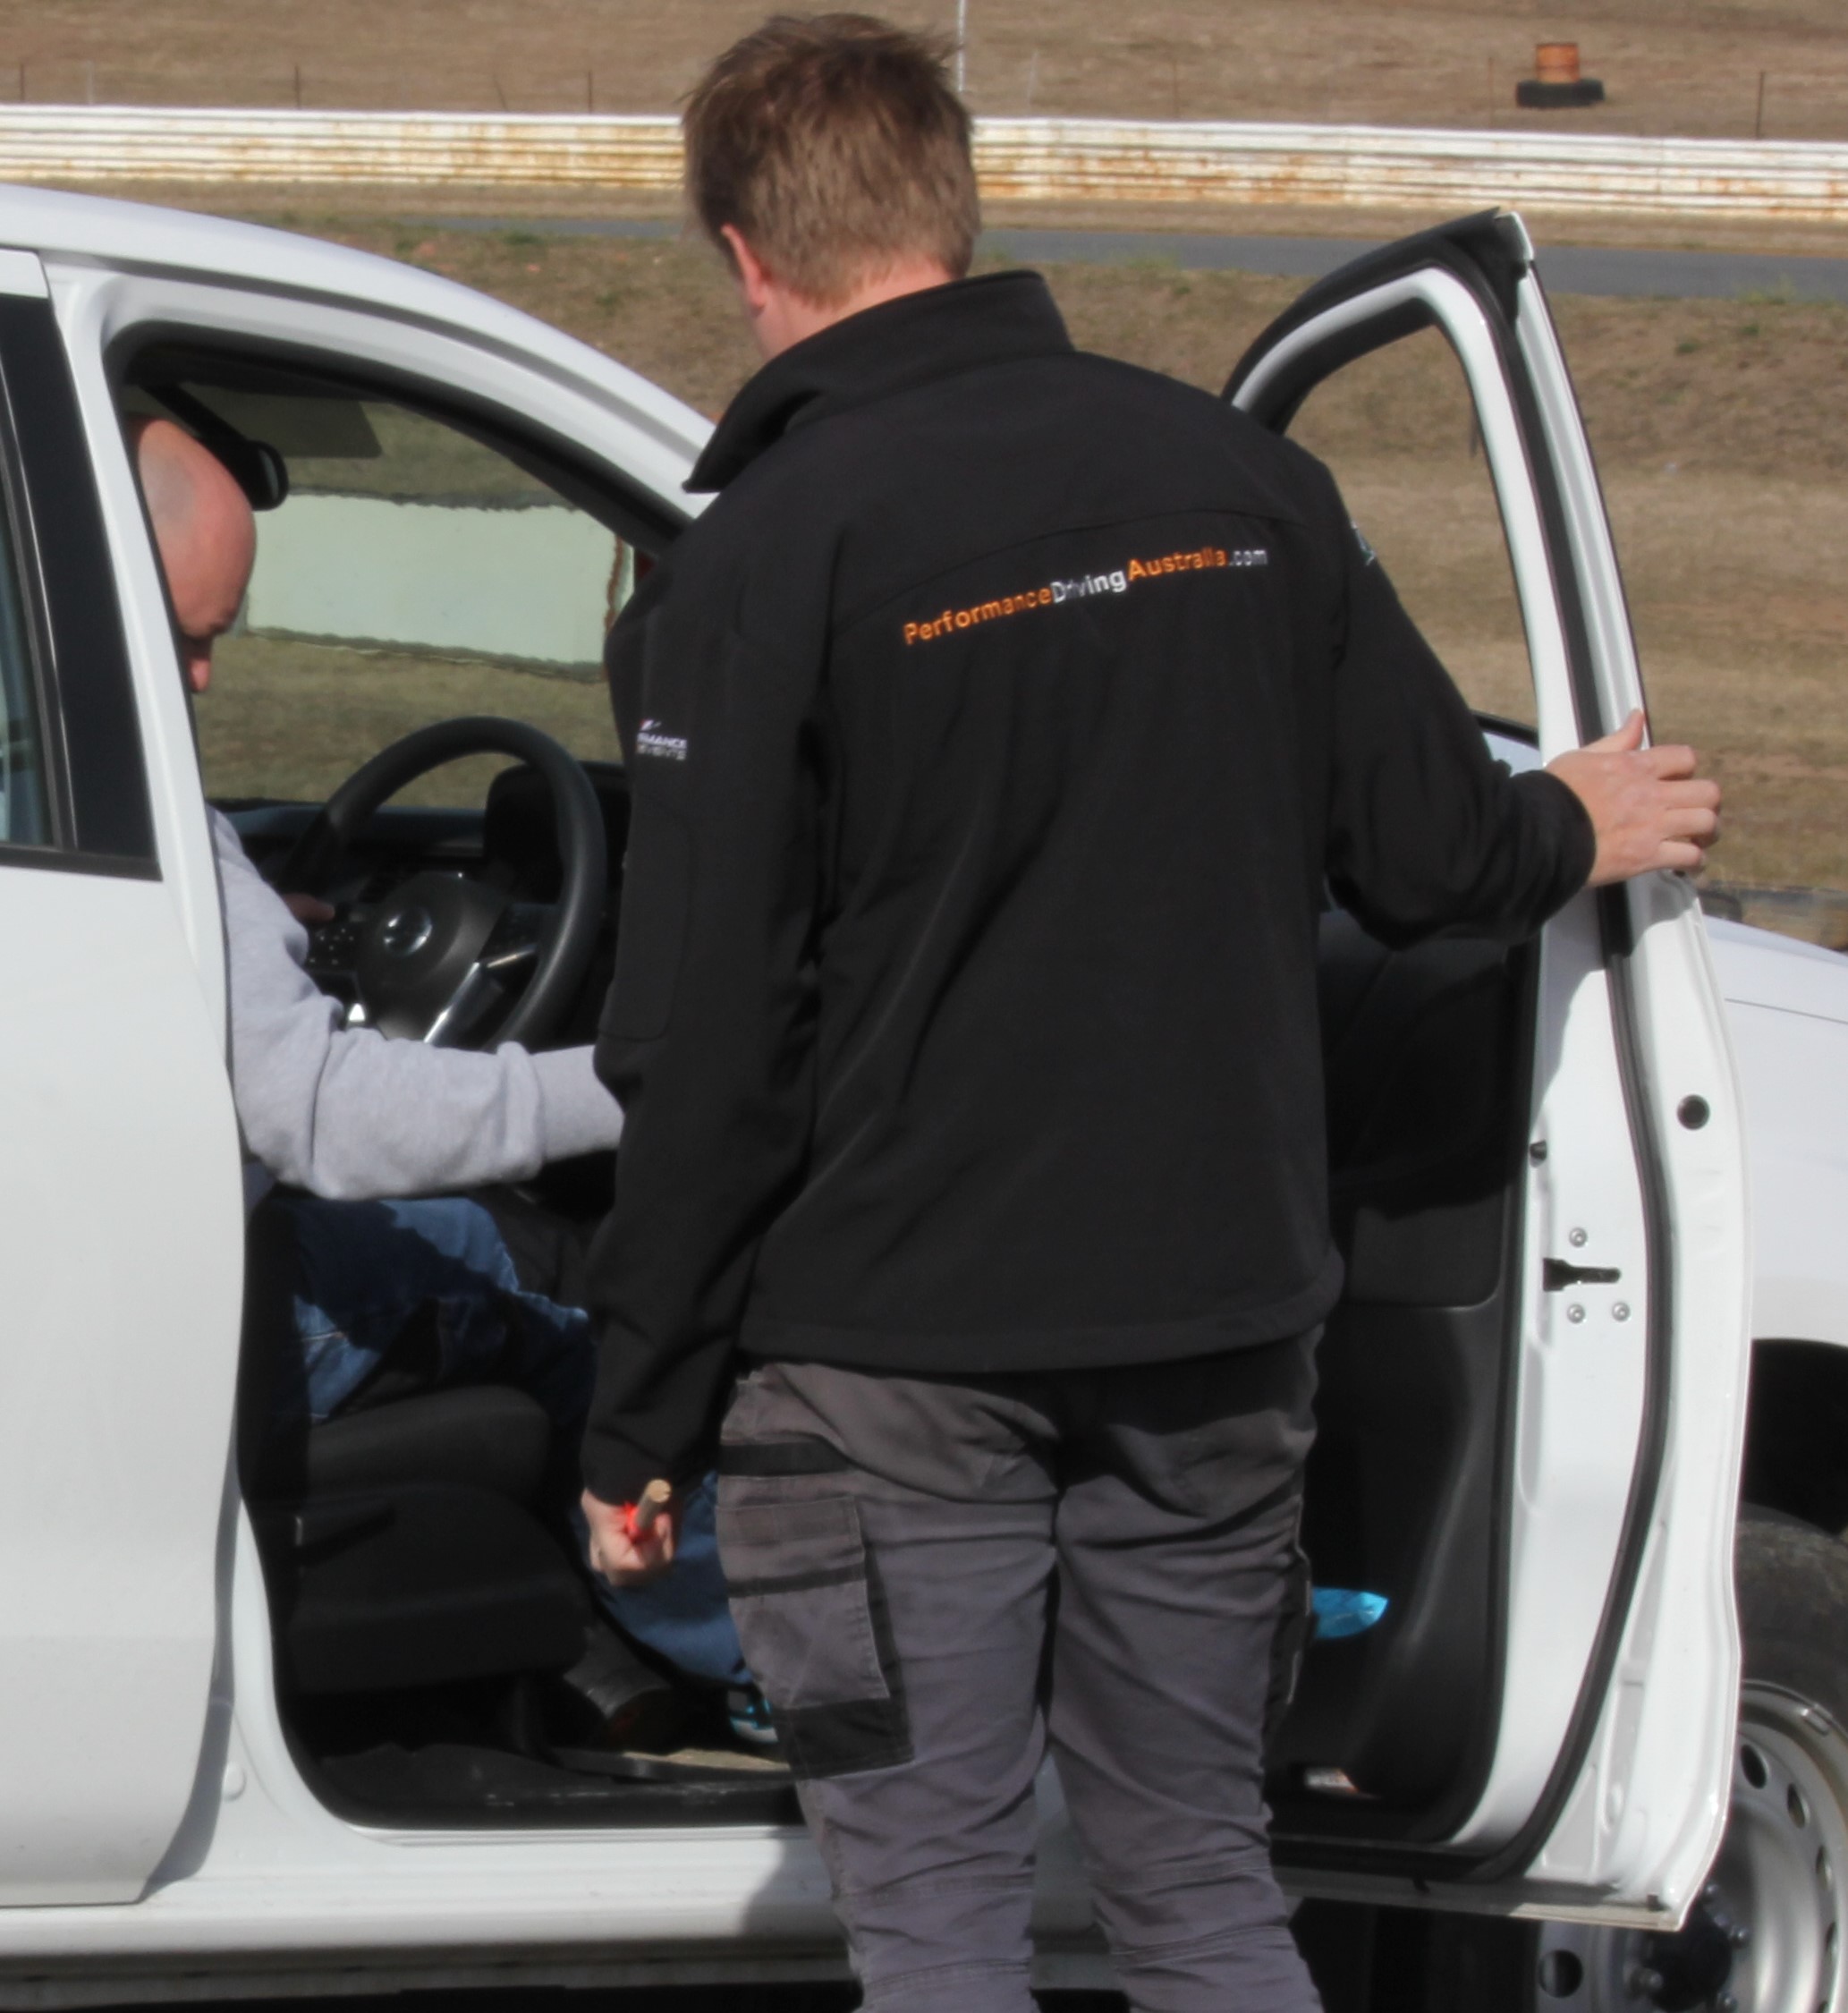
1407 167
532 586
1047 159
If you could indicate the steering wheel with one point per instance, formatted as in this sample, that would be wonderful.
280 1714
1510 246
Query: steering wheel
431 958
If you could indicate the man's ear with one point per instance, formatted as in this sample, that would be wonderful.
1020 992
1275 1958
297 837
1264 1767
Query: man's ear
756 282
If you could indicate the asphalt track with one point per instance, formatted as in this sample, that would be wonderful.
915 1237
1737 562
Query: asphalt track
1566 269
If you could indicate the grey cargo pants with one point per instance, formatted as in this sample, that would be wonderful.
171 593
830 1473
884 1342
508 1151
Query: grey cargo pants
933 1578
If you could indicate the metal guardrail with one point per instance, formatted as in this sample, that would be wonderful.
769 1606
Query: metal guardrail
1047 159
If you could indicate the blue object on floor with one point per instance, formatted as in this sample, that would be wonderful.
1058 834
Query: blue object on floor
749 1710
1340 1612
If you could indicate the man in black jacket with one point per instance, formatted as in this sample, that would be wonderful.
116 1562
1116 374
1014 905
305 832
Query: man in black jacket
994 736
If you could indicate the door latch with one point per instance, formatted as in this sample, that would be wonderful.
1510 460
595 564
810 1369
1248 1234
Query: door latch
1557 1274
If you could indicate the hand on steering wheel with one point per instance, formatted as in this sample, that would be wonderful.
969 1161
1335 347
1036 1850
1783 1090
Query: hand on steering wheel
430 958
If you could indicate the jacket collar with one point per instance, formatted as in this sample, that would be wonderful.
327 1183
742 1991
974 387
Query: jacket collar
900 343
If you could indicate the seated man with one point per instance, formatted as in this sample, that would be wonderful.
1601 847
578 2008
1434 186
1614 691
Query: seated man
357 1130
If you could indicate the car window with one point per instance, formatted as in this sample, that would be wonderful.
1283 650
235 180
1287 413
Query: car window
1398 428
412 574
24 817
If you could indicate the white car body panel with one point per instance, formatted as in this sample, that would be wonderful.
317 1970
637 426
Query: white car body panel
80 237
121 1211
23 273
1787 1004
262 1869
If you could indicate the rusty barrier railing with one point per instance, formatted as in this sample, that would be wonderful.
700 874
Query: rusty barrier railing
1104 160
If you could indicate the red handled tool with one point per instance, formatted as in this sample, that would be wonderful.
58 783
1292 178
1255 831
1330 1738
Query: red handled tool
640 1517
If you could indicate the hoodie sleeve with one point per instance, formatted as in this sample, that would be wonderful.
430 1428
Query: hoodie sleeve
707 1037
346 1114
1426 829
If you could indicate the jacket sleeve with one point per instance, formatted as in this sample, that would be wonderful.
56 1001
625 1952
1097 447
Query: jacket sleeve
1426 829
707 1037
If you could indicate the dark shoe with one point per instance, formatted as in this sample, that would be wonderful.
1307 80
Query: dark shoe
613 1700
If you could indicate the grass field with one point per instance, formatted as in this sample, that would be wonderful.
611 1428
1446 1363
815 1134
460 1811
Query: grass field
293 719
1687 67
1721 430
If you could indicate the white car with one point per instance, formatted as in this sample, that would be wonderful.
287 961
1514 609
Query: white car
266 1722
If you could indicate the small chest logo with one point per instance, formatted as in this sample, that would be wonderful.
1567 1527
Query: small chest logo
666 747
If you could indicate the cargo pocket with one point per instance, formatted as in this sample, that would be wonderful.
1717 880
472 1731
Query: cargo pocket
811 1617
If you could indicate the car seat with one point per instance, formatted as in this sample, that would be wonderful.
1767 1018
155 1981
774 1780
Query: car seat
401 1547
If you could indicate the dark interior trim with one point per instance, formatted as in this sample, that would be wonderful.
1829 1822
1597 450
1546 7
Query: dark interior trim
86 687
68 860
1522 731
20 554
562 463
1474 249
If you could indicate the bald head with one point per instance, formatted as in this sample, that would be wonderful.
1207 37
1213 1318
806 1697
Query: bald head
206 534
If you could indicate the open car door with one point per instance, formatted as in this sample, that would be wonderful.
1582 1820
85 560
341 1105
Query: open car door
121 1209
1533 1391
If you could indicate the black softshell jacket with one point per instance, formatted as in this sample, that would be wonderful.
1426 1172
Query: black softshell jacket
993 737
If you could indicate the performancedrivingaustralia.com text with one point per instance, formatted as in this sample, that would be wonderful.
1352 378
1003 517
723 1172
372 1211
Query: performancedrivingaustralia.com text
1119 580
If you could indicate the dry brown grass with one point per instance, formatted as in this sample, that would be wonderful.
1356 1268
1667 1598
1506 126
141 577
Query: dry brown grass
1721 430
352 205
1689 66
290 718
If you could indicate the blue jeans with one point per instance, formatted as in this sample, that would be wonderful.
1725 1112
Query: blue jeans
364 1270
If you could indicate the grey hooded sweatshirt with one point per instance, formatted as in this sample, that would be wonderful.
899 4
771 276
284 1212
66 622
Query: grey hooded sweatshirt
345 1113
